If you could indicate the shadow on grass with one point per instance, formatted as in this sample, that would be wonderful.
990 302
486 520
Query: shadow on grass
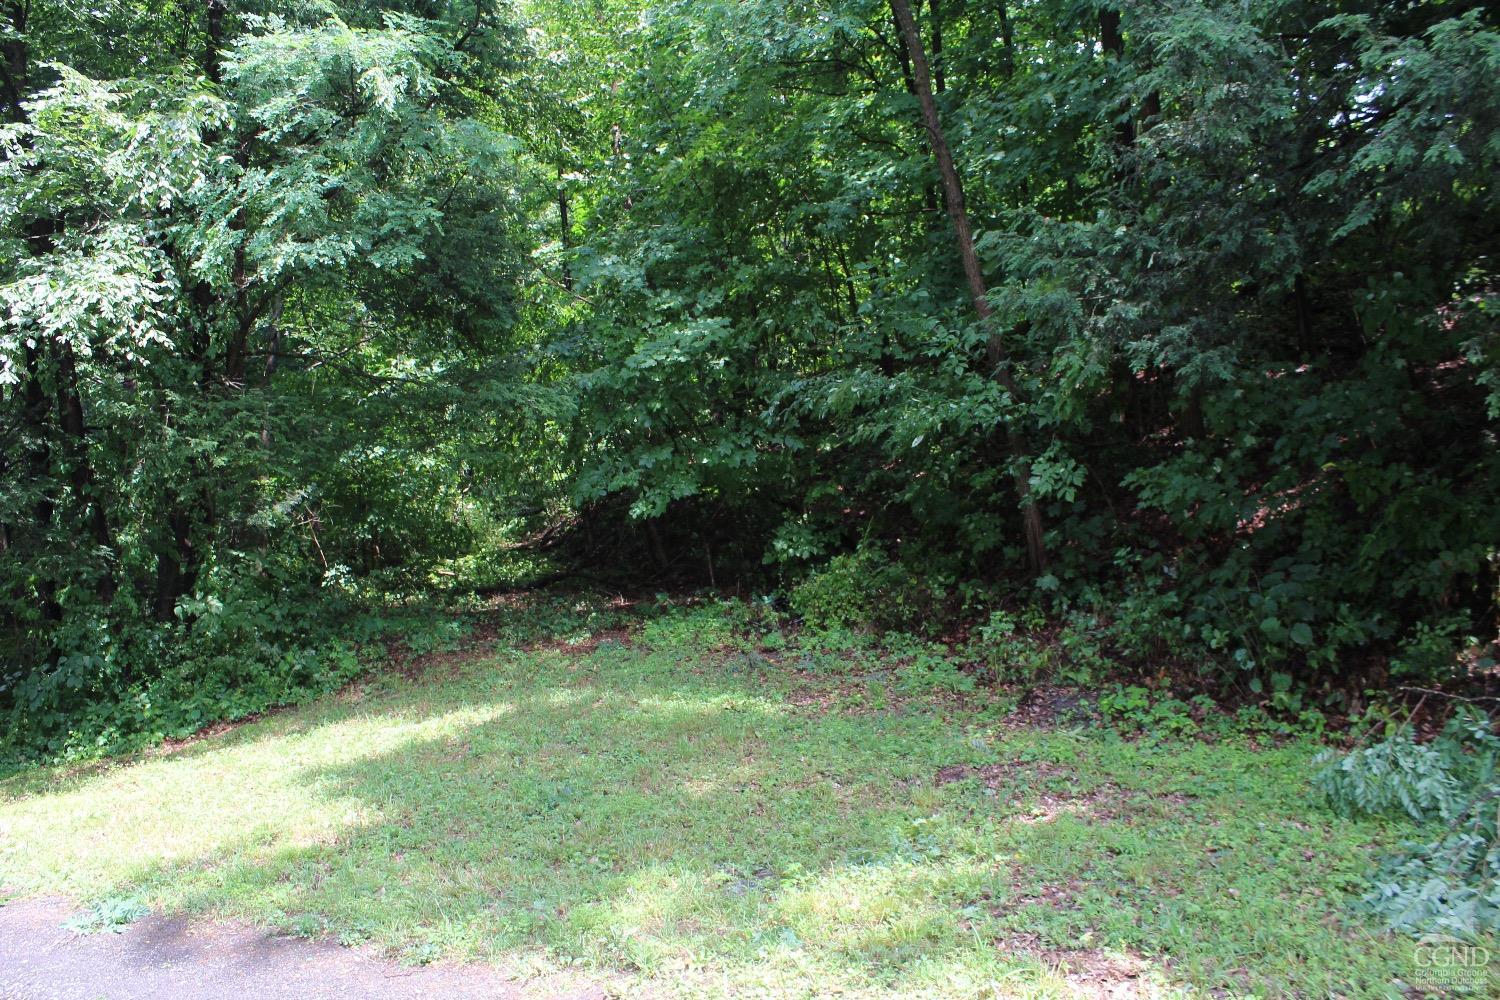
666 813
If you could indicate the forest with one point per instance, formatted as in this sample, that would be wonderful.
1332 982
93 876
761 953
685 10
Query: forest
1145 352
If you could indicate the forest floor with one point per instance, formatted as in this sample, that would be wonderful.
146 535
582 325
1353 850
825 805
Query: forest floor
675 806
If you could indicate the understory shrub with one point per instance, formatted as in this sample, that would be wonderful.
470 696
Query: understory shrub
866 589
118 685
1450 883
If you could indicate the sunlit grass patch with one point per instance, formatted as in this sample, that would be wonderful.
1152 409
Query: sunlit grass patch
651 807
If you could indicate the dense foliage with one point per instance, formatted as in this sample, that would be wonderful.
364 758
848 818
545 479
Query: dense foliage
1450 884
248 277
842 298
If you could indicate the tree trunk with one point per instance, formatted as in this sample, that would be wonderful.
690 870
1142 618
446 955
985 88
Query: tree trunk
176 566
1007 42
562 233
181 552
213 66
34 414
1112 42
953 197
75 432
929 193
1131 125
15 62
939 77
658 550
15 69
40 236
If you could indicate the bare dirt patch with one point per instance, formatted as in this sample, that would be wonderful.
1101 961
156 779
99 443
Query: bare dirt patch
440 662
1048 706
1057 791
1000 776
1100 974
582 647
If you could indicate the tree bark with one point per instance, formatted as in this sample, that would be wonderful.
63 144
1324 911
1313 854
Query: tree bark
562 233
658 550
1007 42
939 77
1112 43
40 237
75 430
15 68
34 414
239 277
213 66
180 552
176 566
929 193
953 198
1131 124
14 61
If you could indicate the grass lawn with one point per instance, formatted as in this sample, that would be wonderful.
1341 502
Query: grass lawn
688 808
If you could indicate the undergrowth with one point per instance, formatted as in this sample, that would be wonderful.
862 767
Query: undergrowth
1448 879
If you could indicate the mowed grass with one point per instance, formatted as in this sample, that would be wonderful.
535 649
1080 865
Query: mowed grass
677 809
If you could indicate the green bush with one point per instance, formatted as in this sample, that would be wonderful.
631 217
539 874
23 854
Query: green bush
924 666
1009 649
865 589
1450 883
118 685
1024 649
